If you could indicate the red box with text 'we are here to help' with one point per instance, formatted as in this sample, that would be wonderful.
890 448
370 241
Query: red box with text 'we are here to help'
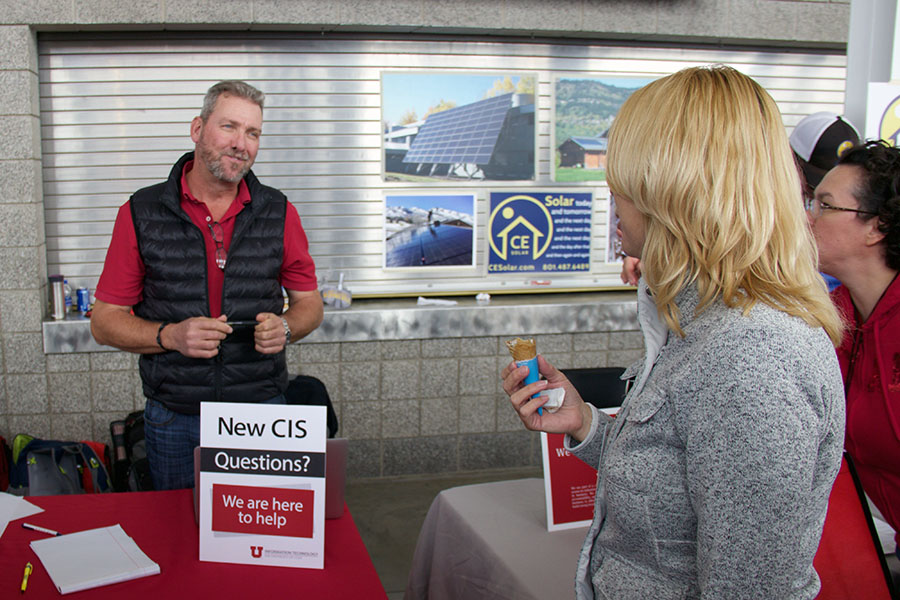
265 511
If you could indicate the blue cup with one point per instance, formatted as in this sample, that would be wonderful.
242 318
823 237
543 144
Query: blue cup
533 374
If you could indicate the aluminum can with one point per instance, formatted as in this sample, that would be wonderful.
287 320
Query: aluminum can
84 300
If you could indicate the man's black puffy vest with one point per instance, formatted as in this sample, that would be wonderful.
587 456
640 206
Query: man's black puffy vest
175 288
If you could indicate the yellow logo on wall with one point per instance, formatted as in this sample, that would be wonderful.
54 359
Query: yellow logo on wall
889 127
515 232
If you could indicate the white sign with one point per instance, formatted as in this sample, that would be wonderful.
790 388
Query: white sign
262 484
883 113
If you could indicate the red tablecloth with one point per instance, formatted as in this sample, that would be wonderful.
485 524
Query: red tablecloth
162 524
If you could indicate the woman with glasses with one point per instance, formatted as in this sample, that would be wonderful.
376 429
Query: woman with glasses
855 217
714 477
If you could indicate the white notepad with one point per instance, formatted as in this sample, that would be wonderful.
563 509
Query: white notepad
89 559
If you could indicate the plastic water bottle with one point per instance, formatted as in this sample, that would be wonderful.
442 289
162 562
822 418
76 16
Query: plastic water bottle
68 291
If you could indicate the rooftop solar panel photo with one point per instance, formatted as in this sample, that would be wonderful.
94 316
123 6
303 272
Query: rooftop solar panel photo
430 245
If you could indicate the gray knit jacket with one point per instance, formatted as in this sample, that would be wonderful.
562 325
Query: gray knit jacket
714 478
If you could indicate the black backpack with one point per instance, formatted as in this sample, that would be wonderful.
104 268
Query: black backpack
131 469
309 391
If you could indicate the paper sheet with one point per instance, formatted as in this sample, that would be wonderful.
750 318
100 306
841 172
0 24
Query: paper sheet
15 507
422 301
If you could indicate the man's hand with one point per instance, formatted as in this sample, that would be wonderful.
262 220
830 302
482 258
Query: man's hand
197 337
269 334
114 325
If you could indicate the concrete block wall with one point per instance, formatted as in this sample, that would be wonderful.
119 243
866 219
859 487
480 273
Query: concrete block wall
24 384
410 406
805 23
436 405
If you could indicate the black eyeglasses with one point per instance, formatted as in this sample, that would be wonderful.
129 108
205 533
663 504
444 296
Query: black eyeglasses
815 207
218 236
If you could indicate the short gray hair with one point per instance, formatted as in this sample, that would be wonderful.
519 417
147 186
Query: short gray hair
236 88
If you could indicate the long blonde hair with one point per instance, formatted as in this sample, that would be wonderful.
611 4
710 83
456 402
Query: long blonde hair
704 157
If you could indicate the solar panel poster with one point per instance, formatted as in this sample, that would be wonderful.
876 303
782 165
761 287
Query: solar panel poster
583 111
429 230
539 232
441 128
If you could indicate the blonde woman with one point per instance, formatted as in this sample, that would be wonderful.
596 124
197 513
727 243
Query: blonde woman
715 475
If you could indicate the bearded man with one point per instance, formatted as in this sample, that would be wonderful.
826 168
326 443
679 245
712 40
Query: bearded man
192 261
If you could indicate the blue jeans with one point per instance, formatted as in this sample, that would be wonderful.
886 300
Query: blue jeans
171 438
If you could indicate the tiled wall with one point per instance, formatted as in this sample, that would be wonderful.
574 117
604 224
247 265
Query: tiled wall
408 406
431 406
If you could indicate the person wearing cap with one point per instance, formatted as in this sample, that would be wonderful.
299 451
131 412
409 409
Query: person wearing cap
818 141
855 218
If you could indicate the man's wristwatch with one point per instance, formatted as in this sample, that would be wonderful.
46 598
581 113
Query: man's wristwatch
287 331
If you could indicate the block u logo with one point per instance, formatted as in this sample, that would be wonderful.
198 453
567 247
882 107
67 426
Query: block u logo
256 551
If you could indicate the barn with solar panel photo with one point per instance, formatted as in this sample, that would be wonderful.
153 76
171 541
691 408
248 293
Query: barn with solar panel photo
457 127
583 111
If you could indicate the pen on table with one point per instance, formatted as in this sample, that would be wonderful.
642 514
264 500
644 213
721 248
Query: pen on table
28 569
41 529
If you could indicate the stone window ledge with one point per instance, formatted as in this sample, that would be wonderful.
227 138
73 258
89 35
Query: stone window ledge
403 319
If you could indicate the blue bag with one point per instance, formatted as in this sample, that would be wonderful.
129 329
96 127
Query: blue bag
49 467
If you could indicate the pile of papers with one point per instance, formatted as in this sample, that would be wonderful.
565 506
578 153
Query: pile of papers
89 559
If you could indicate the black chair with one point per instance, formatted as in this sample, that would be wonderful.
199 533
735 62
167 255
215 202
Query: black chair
308 390
600 386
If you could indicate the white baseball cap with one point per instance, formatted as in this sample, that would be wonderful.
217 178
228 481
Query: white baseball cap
819 140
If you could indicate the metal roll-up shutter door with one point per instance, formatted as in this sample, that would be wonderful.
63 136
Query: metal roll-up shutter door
115 113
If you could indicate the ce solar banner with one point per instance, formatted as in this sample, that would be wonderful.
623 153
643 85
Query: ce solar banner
539 232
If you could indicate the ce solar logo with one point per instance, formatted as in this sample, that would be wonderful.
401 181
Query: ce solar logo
889 127
522 226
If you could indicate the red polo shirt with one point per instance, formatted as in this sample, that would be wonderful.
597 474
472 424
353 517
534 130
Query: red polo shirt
122 280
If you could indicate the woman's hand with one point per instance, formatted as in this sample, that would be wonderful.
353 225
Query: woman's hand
631 270
573 417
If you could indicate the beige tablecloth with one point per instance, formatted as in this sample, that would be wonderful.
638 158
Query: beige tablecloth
491 541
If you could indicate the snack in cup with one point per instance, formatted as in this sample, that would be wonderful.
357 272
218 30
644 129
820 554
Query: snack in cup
524 353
